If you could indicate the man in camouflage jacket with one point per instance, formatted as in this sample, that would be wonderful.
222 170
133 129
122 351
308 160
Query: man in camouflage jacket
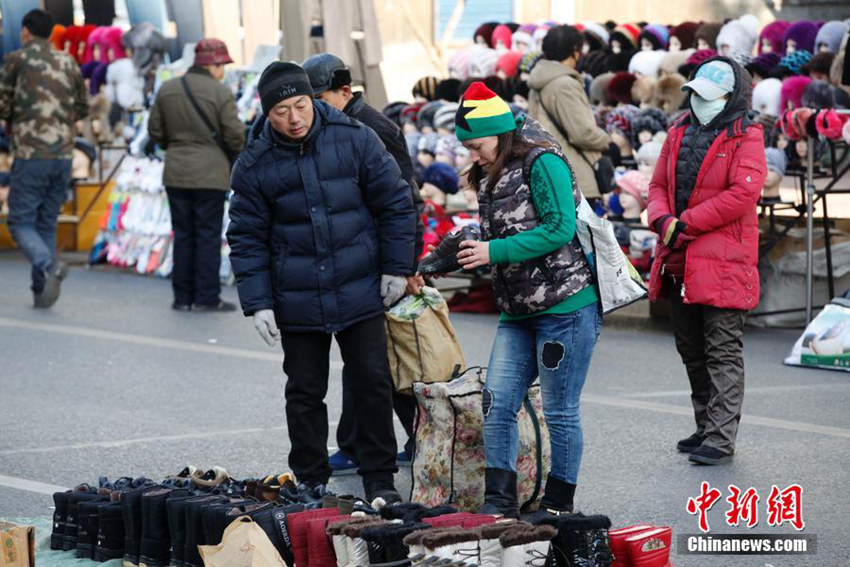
42 96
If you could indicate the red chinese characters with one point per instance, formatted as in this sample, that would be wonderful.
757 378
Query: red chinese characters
700 505
742 506
786 506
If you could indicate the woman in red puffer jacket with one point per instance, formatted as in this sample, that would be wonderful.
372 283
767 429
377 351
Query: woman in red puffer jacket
702 203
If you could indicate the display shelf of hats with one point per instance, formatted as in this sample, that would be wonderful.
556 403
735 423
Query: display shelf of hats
76 227
135 230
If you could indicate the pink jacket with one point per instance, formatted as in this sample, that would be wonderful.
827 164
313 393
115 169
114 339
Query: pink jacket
721 264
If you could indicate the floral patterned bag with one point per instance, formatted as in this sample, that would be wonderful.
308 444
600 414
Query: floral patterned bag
448 466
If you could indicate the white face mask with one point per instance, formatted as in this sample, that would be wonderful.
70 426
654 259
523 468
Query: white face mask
706 110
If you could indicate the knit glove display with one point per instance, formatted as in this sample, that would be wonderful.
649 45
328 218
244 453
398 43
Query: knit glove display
266 326
672 232
392 288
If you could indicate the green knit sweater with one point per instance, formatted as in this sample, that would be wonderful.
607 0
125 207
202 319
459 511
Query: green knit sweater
551 193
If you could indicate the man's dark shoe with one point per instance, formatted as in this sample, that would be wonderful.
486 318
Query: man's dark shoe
443 259
500 494
705 455
404 459
181 306
110 533
220 307
53 277
690 444
341 465
381 488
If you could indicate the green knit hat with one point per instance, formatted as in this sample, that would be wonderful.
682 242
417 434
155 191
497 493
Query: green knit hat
482 113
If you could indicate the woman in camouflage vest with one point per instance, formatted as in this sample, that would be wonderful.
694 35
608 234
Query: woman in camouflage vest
544 288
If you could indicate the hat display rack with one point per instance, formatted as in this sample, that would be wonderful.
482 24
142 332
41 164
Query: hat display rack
813 194
810 196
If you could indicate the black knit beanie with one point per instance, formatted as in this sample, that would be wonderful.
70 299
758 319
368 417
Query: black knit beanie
282 80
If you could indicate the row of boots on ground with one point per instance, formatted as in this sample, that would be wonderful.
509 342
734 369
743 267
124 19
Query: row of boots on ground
164 524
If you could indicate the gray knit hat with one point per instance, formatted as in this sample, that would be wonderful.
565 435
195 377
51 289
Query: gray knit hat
776 160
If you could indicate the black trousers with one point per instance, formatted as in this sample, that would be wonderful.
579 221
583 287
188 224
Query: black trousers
710 342
306 364
196 217
346 431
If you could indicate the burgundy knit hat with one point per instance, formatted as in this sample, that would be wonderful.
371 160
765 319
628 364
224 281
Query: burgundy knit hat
211 51
485 30
685 33
774 32
695 60
620 88
803 34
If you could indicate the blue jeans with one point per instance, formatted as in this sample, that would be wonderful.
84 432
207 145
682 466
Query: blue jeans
558 349
36 192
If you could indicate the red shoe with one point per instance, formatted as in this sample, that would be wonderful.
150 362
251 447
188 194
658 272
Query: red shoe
319 543
298 530
449 520
617 539
650 548
478 520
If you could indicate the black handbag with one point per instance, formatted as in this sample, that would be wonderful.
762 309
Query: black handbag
603 169
213 132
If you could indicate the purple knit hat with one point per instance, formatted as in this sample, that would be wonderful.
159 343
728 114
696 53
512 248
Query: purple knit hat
528 28
803 34
763 64
660 34
774 32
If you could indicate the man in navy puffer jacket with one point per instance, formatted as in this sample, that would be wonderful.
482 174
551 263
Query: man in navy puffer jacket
321 235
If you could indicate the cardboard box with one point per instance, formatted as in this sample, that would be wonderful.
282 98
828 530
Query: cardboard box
17 545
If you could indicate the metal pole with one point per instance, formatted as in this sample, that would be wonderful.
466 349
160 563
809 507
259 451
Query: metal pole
810 199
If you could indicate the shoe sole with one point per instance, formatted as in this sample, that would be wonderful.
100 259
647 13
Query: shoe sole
700 460
52 287
686 448
344 472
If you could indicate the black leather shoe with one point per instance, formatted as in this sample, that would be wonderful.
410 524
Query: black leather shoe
181 306
690 444
221 306
705 455
443 259
381 488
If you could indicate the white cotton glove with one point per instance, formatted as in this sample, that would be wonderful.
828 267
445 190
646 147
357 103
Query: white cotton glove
392 288
266 325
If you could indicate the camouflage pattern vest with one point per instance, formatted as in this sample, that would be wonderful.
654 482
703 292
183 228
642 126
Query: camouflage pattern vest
525 288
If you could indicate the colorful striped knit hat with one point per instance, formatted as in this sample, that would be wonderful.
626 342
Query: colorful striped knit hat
482 113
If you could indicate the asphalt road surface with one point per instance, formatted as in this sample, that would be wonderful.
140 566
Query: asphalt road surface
112 382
